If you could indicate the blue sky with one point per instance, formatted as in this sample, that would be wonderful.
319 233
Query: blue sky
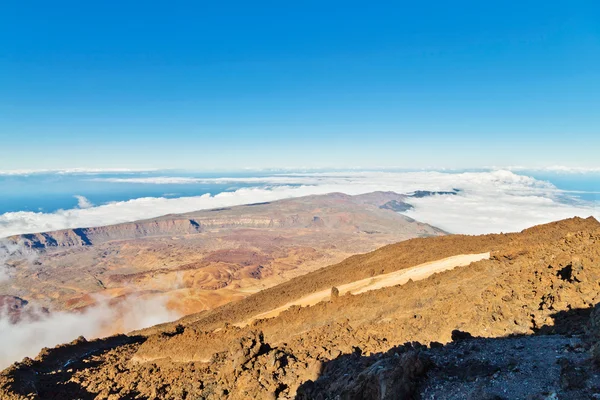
228 85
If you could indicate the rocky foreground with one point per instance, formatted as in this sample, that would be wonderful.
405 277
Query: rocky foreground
521 324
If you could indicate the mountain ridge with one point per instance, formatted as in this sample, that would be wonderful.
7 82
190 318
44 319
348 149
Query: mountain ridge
248 216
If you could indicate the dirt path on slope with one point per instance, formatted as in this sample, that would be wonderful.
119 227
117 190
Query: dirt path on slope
400 277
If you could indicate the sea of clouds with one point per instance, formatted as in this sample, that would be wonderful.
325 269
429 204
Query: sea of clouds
492 201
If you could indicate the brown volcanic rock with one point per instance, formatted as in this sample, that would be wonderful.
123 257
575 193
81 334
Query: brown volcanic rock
543 280
391 375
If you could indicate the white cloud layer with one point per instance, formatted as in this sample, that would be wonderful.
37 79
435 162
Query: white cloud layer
157 180
83 202
71 171
28 337
488 202
556 169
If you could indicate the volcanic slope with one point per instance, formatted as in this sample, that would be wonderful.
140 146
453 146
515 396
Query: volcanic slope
543 280
204 259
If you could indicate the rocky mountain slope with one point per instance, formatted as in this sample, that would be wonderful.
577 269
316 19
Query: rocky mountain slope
516 324
199 260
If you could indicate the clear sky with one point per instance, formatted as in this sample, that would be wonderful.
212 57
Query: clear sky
233 84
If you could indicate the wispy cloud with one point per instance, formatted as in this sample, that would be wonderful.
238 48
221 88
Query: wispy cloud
29 336
83 202
71 171
555 169
156 180
179 180
302 170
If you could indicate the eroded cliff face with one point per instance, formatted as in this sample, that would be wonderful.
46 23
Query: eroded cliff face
153 228
94 236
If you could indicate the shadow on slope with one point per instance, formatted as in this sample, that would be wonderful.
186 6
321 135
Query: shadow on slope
552 363
48 376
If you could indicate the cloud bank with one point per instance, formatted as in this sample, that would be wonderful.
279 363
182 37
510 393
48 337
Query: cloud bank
488 202
28 337
557 169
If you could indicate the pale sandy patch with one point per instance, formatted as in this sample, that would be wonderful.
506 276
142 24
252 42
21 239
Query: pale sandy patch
399 277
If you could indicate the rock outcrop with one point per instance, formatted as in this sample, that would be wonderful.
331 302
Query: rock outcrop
103 234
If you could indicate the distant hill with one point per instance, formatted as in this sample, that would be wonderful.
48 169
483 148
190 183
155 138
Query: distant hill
336 210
